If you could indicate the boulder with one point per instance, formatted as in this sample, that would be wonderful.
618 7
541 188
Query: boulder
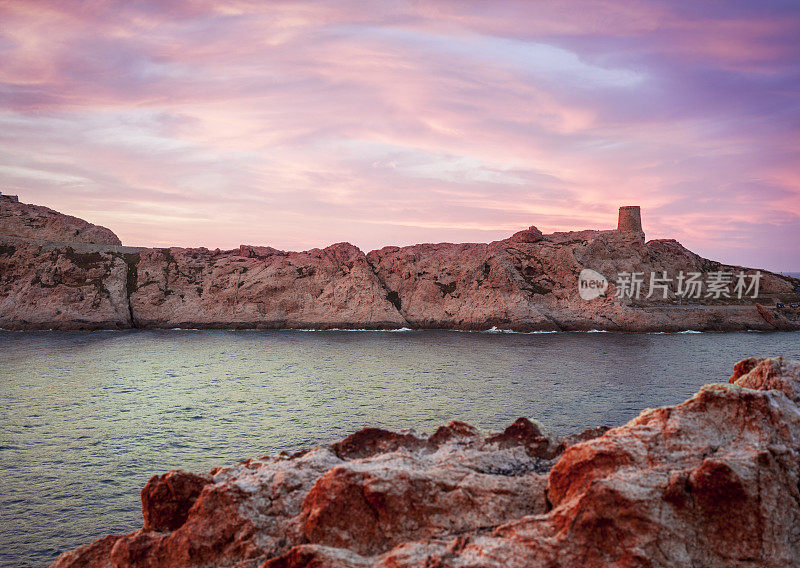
529 235
166 499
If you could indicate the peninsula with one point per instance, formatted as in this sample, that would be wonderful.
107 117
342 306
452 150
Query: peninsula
60 272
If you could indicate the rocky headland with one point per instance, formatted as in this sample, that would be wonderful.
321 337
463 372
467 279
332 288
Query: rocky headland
60 272
711 482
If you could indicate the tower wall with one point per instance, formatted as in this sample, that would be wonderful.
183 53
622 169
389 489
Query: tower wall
630 219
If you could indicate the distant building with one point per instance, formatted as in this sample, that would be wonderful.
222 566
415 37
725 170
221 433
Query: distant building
13 198
630 221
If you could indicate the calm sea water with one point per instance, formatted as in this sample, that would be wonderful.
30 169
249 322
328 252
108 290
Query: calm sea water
87 418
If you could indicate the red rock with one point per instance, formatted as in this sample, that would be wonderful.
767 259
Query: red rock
250 251
321 288
525 433
529 235
95 555
166 499
455 431
369 506
316 556
585 436
709 482
62 289
762 373
370 441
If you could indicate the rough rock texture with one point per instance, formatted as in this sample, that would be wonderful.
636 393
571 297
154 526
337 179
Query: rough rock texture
761 373
401 487
37 222
710 482
321 288
62 289
370 506
529 235
528 282
166 499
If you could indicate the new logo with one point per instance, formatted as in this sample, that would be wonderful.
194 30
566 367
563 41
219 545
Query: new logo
591 284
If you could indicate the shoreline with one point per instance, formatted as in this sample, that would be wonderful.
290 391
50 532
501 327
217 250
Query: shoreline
490 331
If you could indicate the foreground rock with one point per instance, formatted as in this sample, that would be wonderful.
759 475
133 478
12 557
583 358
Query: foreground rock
400 488
710 482
528 282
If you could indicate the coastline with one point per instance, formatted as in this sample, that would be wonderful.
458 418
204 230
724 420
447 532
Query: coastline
493 330
529 282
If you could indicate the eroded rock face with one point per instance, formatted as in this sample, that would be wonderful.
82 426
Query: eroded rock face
166 499
62 289
763 373
697 484
710 482
321 288
529 282
529 235
373 490
37 222
370 506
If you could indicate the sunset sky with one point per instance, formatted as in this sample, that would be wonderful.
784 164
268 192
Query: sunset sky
301 124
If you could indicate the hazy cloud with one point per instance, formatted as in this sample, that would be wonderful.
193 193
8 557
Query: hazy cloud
299 124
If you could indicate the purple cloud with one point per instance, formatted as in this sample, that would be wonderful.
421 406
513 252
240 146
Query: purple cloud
298 124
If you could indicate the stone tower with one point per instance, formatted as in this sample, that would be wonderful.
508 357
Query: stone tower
630 220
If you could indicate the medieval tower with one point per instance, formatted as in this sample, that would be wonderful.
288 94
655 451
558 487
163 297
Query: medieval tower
630 220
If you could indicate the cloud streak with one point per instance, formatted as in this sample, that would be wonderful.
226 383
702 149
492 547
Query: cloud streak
298 124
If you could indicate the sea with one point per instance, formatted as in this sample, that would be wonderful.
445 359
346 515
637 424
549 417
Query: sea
86 418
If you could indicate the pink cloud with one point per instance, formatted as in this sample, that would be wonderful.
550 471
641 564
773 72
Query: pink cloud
298 124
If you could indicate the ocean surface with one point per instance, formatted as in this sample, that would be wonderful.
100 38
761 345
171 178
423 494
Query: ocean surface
87 418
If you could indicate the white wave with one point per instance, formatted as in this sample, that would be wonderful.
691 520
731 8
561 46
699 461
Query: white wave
495 329
394 330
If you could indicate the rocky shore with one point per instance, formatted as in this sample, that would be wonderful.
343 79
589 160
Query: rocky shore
710 482
59 272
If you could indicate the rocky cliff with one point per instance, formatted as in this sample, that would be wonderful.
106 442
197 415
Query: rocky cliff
710 482
527 282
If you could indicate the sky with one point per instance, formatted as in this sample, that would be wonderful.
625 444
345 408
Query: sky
302 124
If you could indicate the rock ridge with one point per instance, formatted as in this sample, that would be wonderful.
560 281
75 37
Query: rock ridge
528 282
37 222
